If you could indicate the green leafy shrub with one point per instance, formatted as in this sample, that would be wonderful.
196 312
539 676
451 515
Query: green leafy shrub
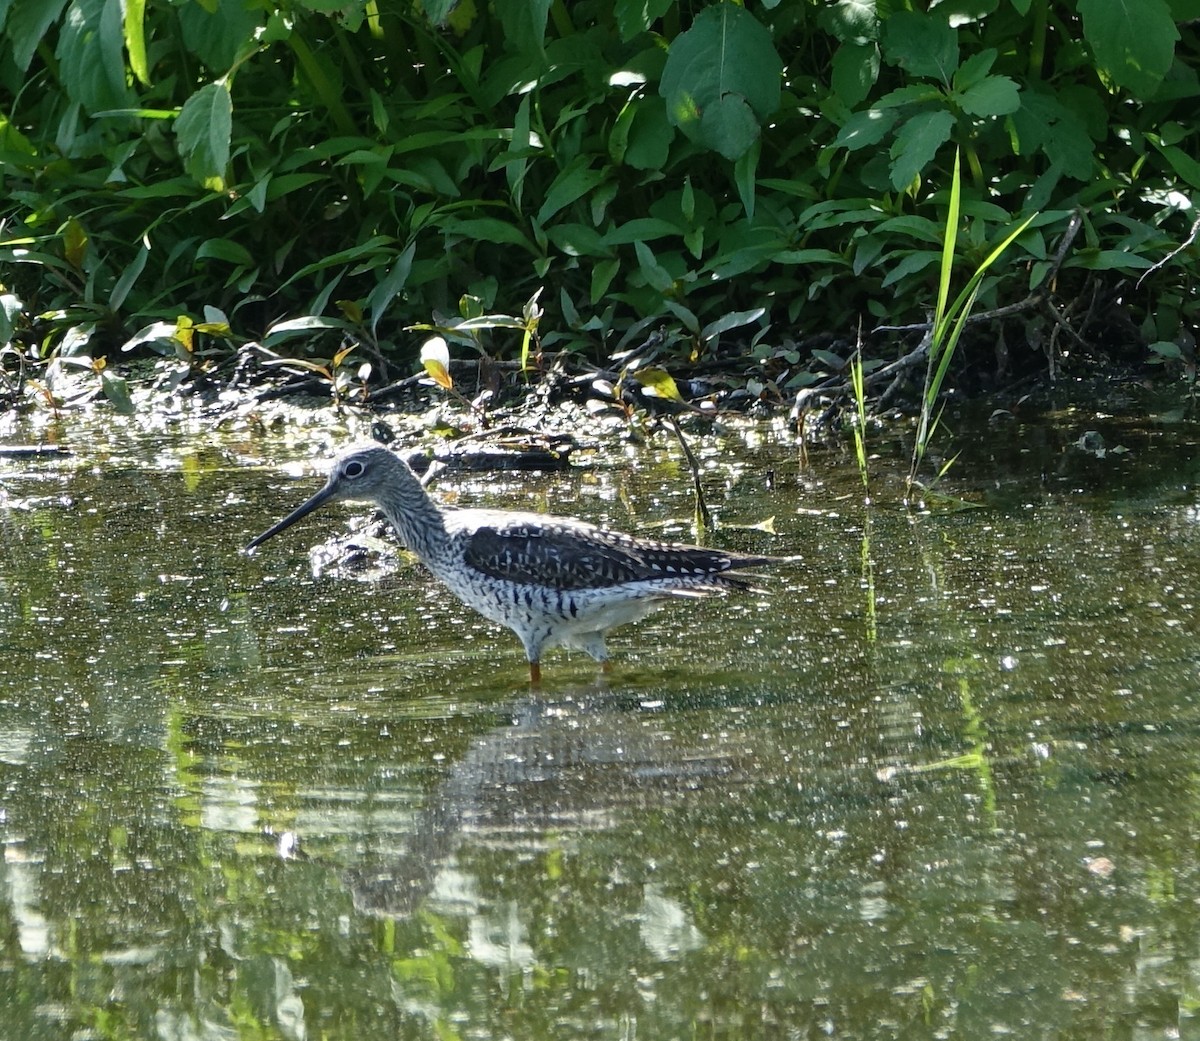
309 168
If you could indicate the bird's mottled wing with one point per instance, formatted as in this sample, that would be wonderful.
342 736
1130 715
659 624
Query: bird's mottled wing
582 557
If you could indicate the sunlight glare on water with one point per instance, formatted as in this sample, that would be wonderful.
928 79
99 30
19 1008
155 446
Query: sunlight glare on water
243 799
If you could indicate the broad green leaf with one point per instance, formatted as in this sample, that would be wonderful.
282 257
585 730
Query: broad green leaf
27 24
489 229
1133 41
909 265
650 135
12 140
320 303
866 251
376 245
92 63
733 320
640 229
569 311
830 360
726 54
913 226
656 275
162 333
219 33
1070 147
809 256
1183 164
301 326
854 70
913 94
20 255
603 273
618 136
601 198
732 263
185 335
128 277
571 184
257 196
636 16
427 172
991 96
385 292
578 240
690 322
278 29
10 313
974 69
1166 350
326 6
852 21
864 129
1044 124
282 184
729 127
352 311
438 11
1108 260
960 12
225 249
743 177
922 44
75 243
202 133
1084 106
330 148
524 23
117 391
379 155
917 142
515 168
172 187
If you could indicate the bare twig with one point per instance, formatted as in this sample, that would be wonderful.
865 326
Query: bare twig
1172 255
703 514
1037 299
1029 303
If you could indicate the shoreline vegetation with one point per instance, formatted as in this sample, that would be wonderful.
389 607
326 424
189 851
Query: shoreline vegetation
673 208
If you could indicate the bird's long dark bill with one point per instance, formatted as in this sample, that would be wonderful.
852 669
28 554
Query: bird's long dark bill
297 514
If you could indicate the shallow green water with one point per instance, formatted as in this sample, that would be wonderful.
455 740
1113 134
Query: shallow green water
976 814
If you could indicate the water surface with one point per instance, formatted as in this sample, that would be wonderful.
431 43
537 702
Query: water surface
945 789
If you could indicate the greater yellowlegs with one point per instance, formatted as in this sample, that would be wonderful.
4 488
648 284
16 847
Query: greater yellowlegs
554 581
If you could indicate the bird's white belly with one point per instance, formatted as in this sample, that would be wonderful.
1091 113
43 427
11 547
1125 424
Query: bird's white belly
556 616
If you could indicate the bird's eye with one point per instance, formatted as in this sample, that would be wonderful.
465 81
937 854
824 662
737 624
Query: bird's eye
353 468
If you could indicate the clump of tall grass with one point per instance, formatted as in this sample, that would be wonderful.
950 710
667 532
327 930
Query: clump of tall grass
949 319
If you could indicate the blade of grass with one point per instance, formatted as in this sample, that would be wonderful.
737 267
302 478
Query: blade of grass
949 320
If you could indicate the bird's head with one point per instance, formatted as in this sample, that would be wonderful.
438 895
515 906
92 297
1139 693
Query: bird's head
360 473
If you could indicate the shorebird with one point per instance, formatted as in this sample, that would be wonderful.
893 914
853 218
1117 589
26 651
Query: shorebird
555 581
